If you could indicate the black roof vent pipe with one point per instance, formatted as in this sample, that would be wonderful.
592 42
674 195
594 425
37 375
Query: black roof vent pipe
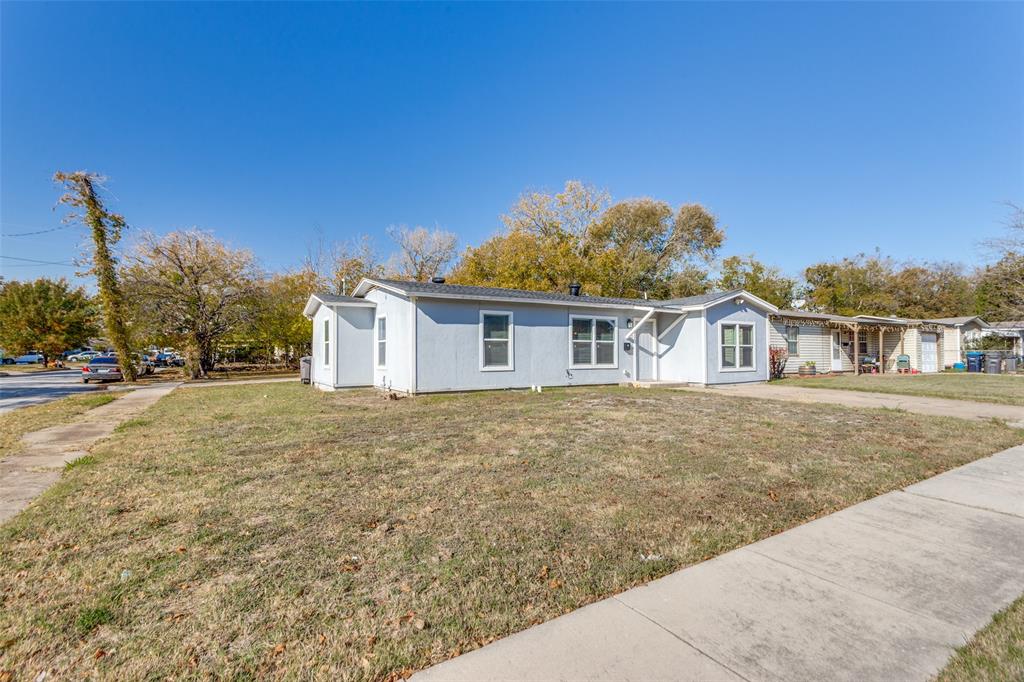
437 280
574 289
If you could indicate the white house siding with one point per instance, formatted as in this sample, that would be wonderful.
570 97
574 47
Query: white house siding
950 346
322 375
732 312
354 347
911 347
397 371
682 349
814 344
448 346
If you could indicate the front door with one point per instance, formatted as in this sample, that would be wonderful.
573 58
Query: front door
645 352
837 352
929 353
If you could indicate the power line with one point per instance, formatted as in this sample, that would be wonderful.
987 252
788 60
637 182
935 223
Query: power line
29 234
40 262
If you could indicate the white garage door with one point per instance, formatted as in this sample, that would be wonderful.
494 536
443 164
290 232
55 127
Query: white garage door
929 353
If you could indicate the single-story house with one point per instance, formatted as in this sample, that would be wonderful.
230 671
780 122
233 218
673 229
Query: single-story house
1012 329
959 331
838 343
422 337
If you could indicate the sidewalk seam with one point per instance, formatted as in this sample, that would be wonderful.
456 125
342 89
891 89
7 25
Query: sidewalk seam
673 634
847 588
960 504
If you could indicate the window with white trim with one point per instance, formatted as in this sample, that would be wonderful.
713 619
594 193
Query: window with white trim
327 342
382 341
496 351
862 343
737 346
593 342
792 340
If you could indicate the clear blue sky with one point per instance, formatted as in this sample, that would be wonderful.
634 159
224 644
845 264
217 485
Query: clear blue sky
813 130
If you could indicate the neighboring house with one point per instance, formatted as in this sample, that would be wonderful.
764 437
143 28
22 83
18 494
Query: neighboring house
958 332
422 337
1013 329
837 343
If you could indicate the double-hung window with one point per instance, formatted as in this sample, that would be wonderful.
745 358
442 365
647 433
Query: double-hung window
382 341
792 340
862 343
496 350
327 342
593 342
737 346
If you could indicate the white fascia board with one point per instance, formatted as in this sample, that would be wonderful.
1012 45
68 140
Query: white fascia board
757 301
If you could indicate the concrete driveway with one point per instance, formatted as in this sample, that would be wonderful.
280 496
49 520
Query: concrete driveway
18 389
942 407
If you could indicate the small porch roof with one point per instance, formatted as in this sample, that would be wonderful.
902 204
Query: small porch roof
333 301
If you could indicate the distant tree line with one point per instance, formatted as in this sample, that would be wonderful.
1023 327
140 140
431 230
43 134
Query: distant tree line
189 290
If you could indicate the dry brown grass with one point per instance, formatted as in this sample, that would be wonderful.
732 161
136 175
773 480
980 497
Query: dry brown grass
995 654
275 530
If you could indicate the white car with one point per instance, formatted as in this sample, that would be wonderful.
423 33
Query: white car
84 356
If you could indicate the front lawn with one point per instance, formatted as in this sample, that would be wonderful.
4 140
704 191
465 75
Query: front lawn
995 654
988 388
263 530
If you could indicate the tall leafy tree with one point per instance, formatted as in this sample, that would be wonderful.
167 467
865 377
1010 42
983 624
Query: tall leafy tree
189 287
422 253
277 321
1001 284
851 286
105 228
45 315
764 281
634 248
351 262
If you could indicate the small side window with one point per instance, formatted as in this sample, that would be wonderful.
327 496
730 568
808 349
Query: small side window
792 340
327 342
382 341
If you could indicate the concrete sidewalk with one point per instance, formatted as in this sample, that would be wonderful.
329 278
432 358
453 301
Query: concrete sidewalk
24 476
241 382
883 590
964 409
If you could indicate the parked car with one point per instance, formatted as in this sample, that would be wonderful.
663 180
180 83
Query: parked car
83 356
168 360
29 359
7 361
102 369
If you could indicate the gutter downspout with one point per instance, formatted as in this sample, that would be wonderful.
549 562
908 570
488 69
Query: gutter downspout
412 345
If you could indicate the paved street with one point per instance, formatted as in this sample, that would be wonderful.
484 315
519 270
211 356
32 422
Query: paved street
19 390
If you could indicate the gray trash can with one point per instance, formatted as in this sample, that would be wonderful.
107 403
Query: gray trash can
993 363
1011 365
305 365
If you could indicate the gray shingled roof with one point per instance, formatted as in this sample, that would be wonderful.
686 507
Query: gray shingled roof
427 288
701 299
956 320
333 298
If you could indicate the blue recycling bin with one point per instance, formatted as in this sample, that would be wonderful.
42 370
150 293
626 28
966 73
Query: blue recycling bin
975 360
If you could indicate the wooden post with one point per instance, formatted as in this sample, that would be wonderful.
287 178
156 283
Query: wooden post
856 349
881 350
